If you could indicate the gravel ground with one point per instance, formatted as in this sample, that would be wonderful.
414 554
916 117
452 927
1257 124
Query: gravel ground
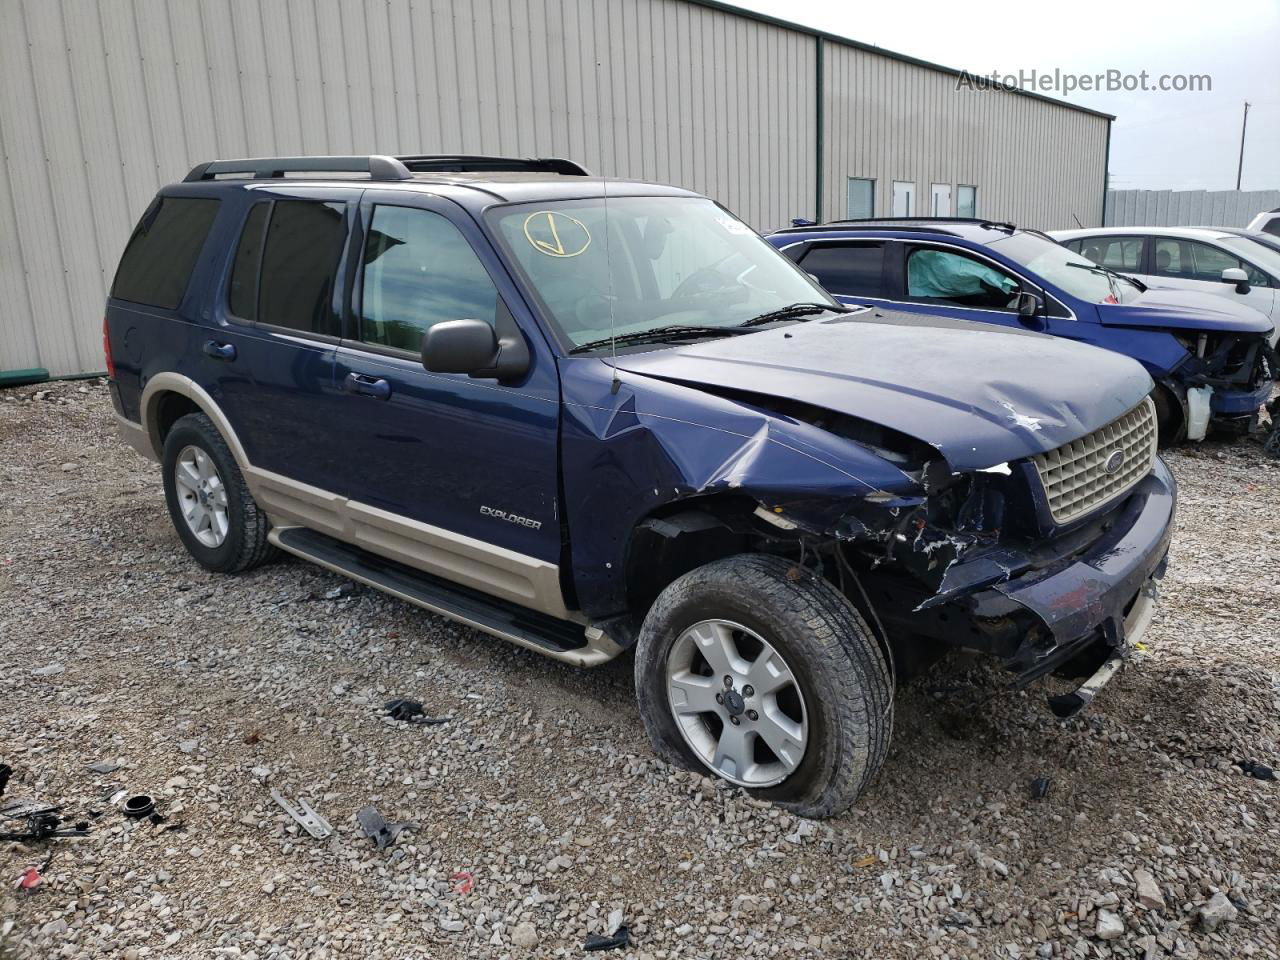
210 691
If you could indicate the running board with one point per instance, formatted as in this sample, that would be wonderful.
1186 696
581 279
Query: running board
584 646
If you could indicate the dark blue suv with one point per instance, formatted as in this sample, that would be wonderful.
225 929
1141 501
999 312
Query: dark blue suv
585 415
1210 358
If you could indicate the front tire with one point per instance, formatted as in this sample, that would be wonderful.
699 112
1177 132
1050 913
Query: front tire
756 671
217 519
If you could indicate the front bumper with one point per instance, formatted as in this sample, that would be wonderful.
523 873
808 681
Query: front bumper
1239 403
1094 605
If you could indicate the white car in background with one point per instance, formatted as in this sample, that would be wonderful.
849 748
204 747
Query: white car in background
1188 258
1266 222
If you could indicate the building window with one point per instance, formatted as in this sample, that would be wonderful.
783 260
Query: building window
940 200
862 198
966 201
903 196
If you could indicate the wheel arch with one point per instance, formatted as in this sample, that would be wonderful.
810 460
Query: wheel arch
681 535
169 396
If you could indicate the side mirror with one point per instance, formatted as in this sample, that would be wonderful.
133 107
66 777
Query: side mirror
1238 277
476 349
1029 305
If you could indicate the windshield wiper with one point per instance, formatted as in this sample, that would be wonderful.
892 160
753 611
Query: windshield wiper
674 331
1109 273
793 311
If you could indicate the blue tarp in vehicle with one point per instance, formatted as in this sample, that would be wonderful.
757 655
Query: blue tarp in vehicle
933 273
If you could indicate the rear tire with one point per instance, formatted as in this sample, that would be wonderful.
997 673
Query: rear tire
217 519
841 710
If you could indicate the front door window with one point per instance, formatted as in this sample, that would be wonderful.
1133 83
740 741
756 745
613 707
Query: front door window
419 270
943 277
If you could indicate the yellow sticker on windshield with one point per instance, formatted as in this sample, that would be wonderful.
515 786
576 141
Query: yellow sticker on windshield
556 234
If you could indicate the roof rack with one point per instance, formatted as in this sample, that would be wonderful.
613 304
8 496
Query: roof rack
266 168
980 221
382 167
484 164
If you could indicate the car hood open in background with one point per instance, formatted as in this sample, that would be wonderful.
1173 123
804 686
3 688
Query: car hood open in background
980 394
1184 310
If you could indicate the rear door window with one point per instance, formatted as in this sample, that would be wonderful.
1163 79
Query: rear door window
1115 253
944 277
418 270
242 295
847 269
299 263
157 263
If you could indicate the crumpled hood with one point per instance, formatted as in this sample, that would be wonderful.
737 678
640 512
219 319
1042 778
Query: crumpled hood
981 395
1184 310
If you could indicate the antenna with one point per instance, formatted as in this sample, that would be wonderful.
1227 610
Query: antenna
1077 220
608 266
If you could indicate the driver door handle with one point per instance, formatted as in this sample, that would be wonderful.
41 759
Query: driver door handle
369 386
220 351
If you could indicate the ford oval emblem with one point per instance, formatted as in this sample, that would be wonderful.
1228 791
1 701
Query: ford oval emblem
1114 462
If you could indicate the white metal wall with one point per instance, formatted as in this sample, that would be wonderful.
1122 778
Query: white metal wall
1033 162
1188 208
101 103
104 101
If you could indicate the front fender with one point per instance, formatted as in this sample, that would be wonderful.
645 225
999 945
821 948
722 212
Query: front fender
627 453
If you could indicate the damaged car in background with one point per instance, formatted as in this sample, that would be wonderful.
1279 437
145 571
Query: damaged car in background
1212 360
586 415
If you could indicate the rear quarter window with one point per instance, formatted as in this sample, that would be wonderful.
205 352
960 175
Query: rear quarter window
157 262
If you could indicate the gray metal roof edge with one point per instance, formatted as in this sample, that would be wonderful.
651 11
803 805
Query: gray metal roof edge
872 48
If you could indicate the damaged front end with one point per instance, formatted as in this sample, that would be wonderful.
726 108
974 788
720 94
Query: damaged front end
990 559
1226 379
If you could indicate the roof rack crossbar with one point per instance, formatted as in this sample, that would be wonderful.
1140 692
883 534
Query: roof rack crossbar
266 168
464 163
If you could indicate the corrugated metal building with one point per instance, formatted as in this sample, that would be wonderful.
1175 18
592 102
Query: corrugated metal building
1187 208
103 102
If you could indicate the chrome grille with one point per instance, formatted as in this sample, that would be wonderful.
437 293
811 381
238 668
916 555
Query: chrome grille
1075 476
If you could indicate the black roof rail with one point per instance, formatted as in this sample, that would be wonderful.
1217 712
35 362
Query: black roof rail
486 164
265 168
383 167
980 221
839 224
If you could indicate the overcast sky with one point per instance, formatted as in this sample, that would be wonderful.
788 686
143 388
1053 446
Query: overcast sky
1160 140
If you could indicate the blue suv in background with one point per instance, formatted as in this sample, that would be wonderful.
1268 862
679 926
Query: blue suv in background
586 415
1210 359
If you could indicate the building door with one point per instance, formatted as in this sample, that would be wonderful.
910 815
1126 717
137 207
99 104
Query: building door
902 198
940 200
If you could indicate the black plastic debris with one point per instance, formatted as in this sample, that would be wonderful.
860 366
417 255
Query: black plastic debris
410 711
6 772
1040 787
618 940
1259 771
376 827
139 806
44 824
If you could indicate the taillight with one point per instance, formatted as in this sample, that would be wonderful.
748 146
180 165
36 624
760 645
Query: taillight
106 349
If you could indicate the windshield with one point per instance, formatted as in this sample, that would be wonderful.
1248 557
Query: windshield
1069 271
657 262
1252 250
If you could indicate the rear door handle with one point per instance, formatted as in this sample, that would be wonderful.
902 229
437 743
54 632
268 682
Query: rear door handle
369 386
220 351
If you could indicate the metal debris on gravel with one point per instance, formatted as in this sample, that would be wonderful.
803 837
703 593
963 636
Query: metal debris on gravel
1152 842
